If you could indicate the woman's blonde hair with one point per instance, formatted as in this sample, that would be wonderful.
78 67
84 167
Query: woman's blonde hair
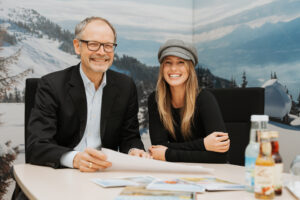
163 98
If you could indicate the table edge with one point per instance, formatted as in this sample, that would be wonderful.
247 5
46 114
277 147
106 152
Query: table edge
21 185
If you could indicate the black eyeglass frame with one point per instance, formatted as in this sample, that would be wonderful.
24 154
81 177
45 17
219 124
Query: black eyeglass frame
100 44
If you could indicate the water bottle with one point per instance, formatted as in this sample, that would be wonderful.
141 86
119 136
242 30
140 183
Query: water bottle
258 124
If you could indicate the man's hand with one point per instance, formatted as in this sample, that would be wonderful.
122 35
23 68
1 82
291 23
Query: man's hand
158 152
139 153
217 142
90 160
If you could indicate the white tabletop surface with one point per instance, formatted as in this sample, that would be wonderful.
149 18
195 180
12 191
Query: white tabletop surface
45 183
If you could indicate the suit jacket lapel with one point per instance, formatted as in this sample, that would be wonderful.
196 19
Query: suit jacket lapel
77 93
110 92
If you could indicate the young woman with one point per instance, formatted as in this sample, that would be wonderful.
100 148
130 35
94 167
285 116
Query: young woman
185 123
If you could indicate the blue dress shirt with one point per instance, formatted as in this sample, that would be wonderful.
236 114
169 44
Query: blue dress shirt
91 137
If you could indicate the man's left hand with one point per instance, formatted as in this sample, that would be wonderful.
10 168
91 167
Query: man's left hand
139 153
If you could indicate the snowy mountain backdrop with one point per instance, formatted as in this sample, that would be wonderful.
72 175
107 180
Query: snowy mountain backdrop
46 47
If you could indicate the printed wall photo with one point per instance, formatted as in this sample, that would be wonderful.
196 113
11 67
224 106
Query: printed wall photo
250 43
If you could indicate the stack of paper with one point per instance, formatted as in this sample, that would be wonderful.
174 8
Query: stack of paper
125 162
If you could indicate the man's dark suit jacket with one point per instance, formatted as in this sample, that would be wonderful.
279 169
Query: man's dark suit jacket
59 117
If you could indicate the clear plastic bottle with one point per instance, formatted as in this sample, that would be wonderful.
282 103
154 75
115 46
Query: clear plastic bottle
258 124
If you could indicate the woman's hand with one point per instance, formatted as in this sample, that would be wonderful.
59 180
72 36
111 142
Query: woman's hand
158 152
217 142
139 153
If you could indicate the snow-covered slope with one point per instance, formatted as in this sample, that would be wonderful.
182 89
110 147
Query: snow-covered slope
38 51
40 54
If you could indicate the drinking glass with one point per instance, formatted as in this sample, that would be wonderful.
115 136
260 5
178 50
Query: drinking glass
294 186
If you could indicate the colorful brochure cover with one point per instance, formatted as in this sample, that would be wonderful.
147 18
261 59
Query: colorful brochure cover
124 181
175 185
108 183
213 184
140 192
141 180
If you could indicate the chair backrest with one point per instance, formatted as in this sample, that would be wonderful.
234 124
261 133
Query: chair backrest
30 90
237 105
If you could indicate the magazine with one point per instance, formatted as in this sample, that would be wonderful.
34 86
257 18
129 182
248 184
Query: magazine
294 188
140 192
175 185
213 183
123 181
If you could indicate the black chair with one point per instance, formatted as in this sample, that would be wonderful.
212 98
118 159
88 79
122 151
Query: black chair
30 90
237 105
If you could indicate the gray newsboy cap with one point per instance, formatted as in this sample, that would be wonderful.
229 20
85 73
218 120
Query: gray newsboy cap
178 48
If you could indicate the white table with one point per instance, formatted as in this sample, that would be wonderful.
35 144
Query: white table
44 183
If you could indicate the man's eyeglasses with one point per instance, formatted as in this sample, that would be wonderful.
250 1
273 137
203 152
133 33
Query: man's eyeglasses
95 46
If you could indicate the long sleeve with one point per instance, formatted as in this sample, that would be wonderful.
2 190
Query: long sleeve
42 148
175 155
208 113
160 136
207 119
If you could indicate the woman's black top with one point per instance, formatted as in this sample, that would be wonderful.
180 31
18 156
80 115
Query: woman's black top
207 119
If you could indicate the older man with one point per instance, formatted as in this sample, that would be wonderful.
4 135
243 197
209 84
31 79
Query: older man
84 107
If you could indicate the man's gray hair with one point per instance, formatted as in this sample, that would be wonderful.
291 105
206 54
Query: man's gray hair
81 26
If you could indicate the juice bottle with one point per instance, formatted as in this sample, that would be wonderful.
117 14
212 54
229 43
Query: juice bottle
264 169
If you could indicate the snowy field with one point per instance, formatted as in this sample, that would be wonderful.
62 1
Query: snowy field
12 128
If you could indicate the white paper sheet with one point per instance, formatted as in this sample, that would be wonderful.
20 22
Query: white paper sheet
125 162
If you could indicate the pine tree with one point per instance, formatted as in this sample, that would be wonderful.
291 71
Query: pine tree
275 76
8 81
10 98
5 99
272 77
199 76
245 82
233 83
23 96
298 100
207 81
17 95
6 157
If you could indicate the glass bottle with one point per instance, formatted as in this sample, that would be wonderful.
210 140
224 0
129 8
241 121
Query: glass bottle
278 162
264 169
258 123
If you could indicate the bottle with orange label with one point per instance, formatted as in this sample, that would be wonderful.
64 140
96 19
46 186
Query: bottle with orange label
278 162
264 169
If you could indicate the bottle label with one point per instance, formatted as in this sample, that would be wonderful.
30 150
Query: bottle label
278 176
264 180
249 165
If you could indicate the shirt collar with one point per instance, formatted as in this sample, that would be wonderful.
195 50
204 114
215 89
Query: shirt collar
87 81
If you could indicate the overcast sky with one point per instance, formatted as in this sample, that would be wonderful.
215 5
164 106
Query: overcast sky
158 20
